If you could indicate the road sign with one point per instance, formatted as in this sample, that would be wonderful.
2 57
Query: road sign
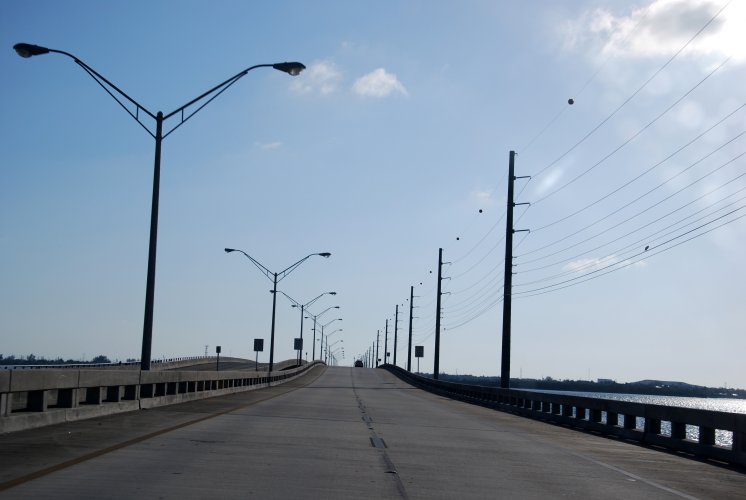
258 345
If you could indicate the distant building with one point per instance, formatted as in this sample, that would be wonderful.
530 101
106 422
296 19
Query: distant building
606 381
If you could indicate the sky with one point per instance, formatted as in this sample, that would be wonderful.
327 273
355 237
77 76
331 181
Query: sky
393 143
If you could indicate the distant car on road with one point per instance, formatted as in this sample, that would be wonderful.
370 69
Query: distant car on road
358 364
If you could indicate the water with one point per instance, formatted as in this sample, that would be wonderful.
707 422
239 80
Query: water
722 438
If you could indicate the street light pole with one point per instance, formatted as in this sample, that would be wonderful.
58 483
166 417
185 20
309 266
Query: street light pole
303 308
147 329
315 317
272 334
327 342
27 50
274 277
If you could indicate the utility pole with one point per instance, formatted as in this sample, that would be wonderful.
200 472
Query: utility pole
396 331
313 355
508 284
386 344
436 365
411 308
378 343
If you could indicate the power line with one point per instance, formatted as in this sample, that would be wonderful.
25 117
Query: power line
640 213
630 247
597 221
525 148
628 262
626 101
719 122
562 261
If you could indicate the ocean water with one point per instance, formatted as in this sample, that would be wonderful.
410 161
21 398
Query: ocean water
722 438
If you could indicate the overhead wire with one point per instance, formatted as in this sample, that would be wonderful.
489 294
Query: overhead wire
639 176
526 148
626 263
574 257
631 138
646 210
651 238
632 96
616 211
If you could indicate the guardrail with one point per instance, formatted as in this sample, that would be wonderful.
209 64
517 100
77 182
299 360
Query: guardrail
156 364
679 429
30 399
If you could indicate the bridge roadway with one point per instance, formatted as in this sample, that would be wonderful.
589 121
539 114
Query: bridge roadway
341 433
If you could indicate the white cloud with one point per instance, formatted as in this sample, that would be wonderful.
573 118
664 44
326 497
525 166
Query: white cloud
590 264
269 145
321 76
661 29
378 83
549 180
482 198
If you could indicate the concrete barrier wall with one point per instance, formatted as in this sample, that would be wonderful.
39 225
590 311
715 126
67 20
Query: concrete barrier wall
156 364
632 421
36 398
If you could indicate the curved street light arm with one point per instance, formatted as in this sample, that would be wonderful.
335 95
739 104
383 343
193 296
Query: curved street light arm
282 274
217 90
105 84
295 302
258 264
330 322
29 50
310 302
316 316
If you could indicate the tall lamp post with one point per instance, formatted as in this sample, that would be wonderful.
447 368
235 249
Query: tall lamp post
302 308
329 347
316 317
275 278
327 339
292 68
321 349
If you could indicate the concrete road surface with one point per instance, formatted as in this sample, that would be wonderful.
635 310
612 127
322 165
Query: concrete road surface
342 433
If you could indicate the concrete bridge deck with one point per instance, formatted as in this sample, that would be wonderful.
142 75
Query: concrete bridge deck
341 433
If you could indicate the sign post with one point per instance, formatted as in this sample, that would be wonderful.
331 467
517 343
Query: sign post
419 352
298 346
258 347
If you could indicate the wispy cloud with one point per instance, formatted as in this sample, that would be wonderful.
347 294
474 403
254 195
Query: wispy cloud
594 264
590 264
321 77
378 83
661 29
549 180
269 145
483 198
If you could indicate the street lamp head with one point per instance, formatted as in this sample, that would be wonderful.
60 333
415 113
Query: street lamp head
27 50
229 250
332 293
325 254
291 68
336 307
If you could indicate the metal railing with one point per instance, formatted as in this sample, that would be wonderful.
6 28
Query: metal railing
704 433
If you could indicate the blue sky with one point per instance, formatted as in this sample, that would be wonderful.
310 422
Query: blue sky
381 152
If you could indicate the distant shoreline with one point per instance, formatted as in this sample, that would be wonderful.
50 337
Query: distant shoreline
645 387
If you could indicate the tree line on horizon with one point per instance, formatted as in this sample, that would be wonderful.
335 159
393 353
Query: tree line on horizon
659 388
31 359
